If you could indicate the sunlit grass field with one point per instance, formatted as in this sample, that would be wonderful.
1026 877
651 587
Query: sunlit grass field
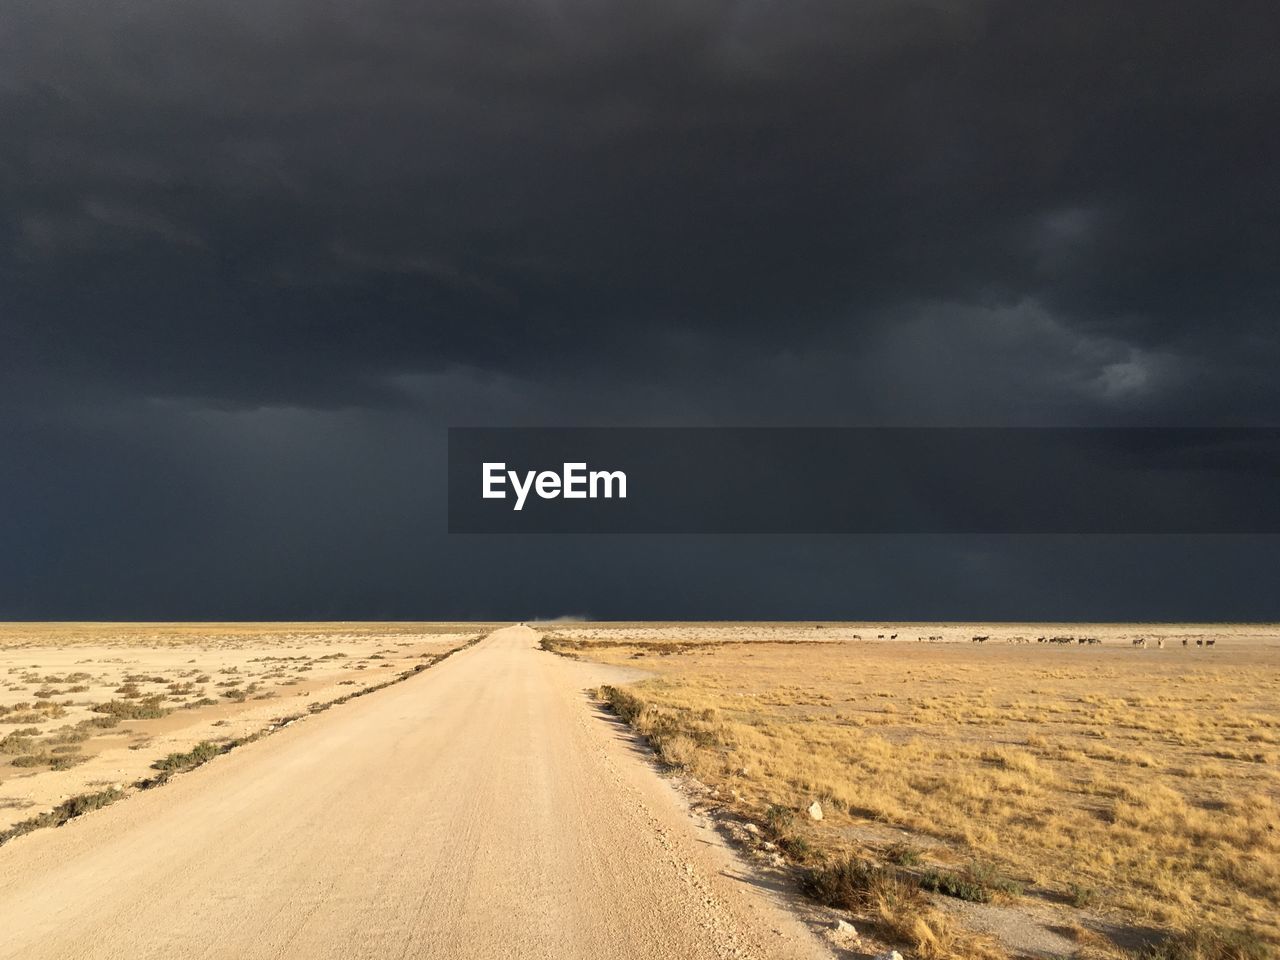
1135 786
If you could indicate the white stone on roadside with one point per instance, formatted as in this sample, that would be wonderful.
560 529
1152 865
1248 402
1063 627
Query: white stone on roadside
752 829
815 810
888 955
845 928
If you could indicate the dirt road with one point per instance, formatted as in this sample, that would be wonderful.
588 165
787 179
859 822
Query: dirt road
479 810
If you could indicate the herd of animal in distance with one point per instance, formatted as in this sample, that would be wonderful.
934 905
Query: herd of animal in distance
1081 641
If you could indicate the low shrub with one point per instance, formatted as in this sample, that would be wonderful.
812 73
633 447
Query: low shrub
32 760
1210 943
954 884
74 807
855 884
902 854
977 883
101 723
201 753
798 848
1083 896
19 741
779 819
147 708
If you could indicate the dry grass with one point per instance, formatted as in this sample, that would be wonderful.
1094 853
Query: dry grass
1209 943
1141 783
892 900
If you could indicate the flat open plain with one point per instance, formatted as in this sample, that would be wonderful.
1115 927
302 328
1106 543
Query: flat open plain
91 705
480 809
1089 796
1000 797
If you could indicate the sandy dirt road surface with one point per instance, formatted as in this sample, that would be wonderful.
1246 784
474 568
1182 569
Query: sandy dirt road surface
480 810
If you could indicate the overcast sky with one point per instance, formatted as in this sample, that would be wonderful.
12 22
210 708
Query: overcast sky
255 256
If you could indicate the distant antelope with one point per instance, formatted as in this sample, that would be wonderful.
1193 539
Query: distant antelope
1184 641
1210 643
1139 641
1160 642
1199 643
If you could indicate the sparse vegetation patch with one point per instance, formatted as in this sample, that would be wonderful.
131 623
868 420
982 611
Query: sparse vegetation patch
75 807
136 673
147 708
1107 778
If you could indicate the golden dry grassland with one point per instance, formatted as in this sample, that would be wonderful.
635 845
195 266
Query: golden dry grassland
93 707
1123 787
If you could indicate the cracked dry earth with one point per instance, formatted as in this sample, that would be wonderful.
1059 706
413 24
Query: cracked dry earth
479 810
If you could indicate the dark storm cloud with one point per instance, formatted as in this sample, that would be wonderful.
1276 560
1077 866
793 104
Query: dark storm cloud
299 202
152 513
255 255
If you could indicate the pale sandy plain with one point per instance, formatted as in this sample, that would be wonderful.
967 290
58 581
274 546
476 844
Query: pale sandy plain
481 809
213 681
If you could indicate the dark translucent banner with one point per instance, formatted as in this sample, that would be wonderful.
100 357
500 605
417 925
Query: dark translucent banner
855 480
